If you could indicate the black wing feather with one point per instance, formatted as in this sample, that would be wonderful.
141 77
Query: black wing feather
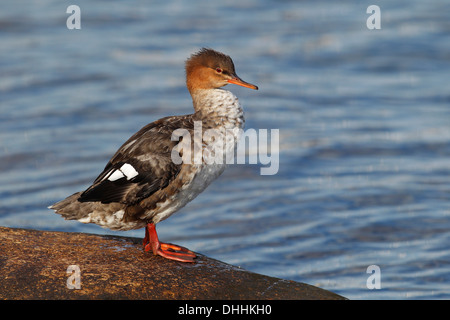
153 144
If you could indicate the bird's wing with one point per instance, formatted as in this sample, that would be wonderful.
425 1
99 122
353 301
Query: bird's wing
141 166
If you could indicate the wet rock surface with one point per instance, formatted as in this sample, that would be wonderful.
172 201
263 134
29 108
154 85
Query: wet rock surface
58 265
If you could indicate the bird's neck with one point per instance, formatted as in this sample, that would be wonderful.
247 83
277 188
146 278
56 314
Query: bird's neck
217 108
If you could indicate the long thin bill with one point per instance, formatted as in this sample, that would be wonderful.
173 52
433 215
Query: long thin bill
242 83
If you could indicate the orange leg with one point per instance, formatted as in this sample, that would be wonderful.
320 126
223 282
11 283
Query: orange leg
166 250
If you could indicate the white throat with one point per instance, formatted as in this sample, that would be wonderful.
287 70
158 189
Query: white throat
218 108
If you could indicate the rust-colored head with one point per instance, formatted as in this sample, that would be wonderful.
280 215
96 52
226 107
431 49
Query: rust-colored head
210 69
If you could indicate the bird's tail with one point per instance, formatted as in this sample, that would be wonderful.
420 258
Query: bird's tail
70 208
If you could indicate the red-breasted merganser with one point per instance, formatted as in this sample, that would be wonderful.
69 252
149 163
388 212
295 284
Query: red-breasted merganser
141 185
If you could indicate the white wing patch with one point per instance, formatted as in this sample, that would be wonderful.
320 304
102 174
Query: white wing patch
126 170
116 175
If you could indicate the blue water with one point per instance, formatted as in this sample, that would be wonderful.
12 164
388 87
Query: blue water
364 120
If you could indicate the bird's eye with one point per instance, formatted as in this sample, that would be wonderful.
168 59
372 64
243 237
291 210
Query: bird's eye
219 70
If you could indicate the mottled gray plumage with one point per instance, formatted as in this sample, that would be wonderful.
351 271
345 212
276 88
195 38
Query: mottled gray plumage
141 184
